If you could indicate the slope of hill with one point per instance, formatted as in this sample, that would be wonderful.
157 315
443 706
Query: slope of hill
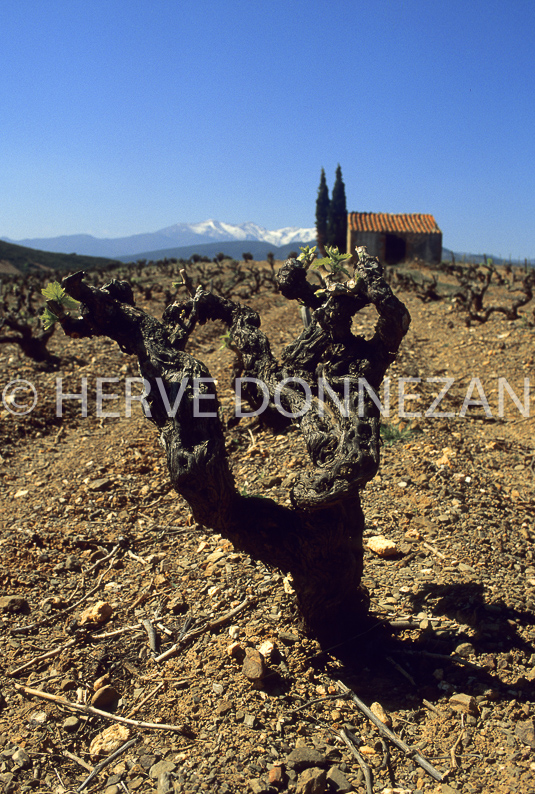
15 258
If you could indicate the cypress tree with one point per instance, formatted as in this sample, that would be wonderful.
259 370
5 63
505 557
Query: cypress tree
322 214
337 219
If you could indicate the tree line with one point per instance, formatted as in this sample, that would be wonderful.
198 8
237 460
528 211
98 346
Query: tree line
331 214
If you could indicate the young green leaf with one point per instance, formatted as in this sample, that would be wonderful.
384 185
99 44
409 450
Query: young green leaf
53 292
48 318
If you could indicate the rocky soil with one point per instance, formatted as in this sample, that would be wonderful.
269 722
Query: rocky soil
111 597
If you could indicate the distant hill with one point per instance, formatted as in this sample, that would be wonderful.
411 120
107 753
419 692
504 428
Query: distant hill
179 235
461 257
15 258
234 249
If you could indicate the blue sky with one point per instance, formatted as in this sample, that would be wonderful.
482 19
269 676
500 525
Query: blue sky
126 116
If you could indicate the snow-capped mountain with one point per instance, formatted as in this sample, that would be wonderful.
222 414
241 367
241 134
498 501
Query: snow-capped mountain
216 230
181 234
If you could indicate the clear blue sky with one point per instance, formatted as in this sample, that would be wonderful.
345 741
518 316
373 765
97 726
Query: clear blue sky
126 116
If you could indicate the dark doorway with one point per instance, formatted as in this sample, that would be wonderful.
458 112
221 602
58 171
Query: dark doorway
395 249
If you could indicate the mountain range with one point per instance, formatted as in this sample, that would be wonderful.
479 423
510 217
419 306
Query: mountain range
177 236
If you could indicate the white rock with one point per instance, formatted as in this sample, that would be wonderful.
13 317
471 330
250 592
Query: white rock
382 546
97 613
109 740
267 649
287 584
381 714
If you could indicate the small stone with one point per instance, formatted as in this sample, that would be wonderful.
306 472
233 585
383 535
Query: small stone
234 632
177 604
165 784
288 637
465 568
112 789
14 604
287 584
215 556
97 613
236 651
258 786
382 546
312 781
465 649
102 484
303 757
161 766
249 720
525 731
464 703
72 563
147 761
104 680
365 749
381 714
276 776
108 740
338 781
67 685
445 789
267 649
223 707
71 724
106 698
253 666
413 534
21 758
38 718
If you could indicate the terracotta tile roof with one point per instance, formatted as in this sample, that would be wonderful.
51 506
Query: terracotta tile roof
385 222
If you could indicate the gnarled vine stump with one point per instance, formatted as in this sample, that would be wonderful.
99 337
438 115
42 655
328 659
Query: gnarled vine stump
318 539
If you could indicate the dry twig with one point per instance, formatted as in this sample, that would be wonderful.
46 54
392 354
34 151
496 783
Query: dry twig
79 761
435 551
43 656
454 764
420 760
400 669
146 698
102 560
115 632
363 765
152 635
91 710
212 624
430 706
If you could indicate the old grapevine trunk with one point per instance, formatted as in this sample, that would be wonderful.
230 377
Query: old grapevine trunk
318 539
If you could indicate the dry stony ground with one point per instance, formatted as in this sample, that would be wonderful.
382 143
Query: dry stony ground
88 516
